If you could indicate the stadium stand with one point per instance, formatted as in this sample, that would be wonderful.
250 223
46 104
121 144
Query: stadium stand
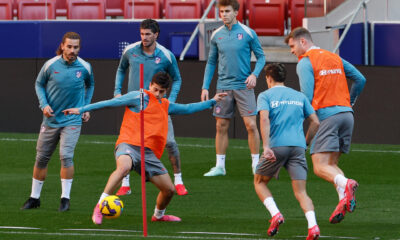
313 8
61 8
6 9
115 8
178 9
143 9
36 10
267 18
86 9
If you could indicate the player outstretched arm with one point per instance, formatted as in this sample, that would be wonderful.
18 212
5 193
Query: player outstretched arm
181 109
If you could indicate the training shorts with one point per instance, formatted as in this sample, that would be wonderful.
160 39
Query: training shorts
243 98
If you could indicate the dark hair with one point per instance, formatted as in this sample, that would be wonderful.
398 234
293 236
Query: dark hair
150 24
297 33
69 35
277 71
234 3
162 79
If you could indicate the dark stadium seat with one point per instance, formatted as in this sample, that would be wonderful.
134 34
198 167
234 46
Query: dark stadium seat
267 18
61 7
36 10
6 9
315 8
86 9
241 13
178 9
115 8
143 9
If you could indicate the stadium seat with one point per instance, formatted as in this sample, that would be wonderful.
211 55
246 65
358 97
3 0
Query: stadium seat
61 8
6 9
36 10
315 8
86 9
240 16
266 17
182 9
115 8
143 9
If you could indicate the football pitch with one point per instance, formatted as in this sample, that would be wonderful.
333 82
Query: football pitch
216 207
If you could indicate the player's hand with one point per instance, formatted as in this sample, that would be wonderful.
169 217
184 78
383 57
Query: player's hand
269 155
204 95
48 111
251 81
85 116
219 96
70 111
118 95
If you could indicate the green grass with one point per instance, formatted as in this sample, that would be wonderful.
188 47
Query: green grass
221 204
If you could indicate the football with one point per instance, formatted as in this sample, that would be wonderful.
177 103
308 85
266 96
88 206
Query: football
111 206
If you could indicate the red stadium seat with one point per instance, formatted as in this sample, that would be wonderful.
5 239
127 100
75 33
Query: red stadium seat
86 9
241 12
6 9
143 9
315 8
115 7
36 10
61 8
182 9
267 18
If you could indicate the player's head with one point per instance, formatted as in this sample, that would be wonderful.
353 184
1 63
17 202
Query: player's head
160 84
275 72
299 41
228 10
149 31
69 46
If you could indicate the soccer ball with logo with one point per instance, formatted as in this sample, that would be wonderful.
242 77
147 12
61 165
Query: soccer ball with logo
111 206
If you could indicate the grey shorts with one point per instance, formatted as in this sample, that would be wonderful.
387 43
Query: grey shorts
244 99
292 158
334 134
47 142
153 166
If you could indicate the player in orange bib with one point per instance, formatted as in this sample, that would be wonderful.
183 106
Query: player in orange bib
127 151
323 79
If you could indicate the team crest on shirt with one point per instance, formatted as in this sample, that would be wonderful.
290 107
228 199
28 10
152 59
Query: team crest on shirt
157 60
217 109
240 36
78 74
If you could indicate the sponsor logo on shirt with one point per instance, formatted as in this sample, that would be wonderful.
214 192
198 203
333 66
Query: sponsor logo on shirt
240 36
56 72
220 38
134 55
275 104
325 72
157 60
78 74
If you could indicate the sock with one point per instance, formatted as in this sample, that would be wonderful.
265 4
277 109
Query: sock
312 221
125 181
221 161
178 178
340 181
159 213
36 188
254 159
340 192
66 185
103 195
270 204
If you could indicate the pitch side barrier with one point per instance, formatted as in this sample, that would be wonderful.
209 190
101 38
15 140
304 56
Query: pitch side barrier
100 39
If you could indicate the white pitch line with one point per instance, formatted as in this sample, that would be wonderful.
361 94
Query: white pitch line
193 145
222 233
10 227
101 230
